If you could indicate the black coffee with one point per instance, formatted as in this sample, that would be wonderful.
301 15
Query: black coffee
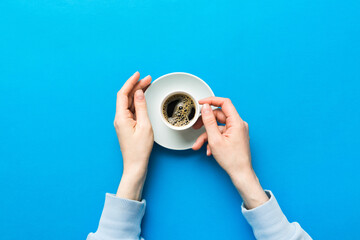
179 110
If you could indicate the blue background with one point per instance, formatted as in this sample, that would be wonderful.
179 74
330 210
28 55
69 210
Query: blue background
292 69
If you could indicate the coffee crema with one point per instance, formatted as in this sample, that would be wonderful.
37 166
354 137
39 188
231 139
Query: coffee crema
179 109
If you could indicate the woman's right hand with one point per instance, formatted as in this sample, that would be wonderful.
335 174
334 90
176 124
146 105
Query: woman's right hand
230 147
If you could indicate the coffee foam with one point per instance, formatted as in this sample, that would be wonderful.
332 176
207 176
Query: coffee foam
181 108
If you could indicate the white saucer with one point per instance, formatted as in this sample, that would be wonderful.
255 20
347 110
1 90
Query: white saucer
178 81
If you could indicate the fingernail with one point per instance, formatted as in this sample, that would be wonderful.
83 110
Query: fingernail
139 95
206 108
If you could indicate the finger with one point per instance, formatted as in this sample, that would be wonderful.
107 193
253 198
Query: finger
200 141
210 123
122 101
140 108
203 138
130 83
226 106
208 150
219 115
145 88
142 84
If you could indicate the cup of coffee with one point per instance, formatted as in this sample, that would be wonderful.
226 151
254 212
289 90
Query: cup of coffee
179 110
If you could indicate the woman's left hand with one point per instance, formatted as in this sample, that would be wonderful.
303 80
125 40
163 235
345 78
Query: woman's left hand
135 134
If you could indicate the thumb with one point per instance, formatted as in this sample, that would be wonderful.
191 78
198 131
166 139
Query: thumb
140 107
210 123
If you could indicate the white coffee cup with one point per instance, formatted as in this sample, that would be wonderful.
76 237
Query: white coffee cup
192 121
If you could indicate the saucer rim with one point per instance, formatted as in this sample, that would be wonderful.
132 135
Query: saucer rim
182 73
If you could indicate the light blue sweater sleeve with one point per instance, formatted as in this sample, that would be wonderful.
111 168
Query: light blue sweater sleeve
269 223
121 220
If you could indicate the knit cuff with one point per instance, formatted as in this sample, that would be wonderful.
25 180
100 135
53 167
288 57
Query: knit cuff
121 218
268 219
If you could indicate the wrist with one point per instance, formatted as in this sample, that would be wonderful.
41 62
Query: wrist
249 188
135 166
243 180
135 173
131 185
243 176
